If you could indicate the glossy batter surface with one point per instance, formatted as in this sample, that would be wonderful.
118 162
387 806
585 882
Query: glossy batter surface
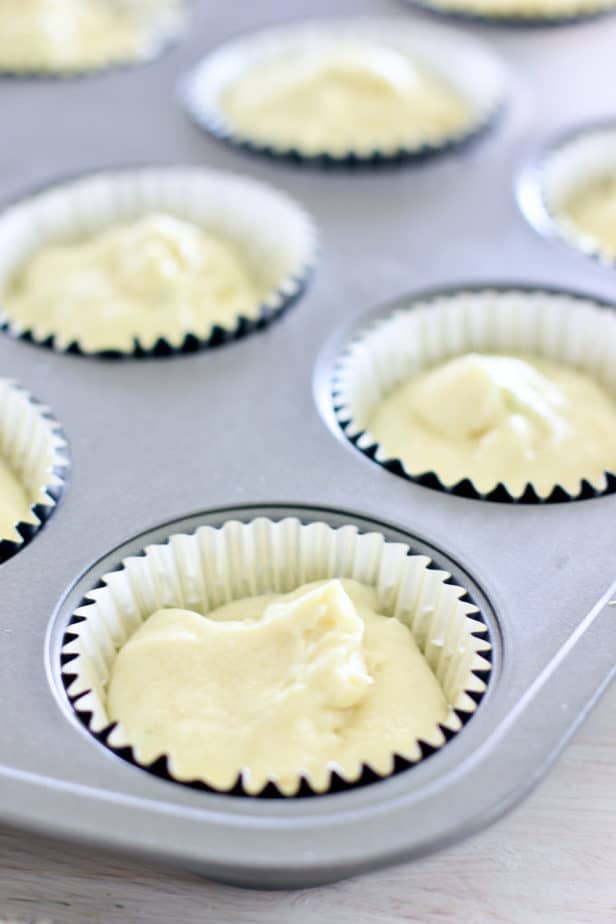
158 277
498 419
275 686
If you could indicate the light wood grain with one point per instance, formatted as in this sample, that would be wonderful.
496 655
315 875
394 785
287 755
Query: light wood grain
551 861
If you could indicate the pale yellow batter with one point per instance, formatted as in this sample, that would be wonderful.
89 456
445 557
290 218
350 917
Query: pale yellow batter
14 503
156 277
492 418
275 686
592 211
345 95
71 35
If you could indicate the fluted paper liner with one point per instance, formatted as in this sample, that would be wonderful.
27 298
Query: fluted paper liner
165 28
33 446
214 566
464 63
517 12
273 234
566 168
426 331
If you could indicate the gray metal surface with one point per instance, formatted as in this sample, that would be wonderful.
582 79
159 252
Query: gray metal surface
156 440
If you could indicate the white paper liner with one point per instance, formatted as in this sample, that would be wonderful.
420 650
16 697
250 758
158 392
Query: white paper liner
214 566
517 11
464 63
273 234
34 447
165 27
565 328
567 168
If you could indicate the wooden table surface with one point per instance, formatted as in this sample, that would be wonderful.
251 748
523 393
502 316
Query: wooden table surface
553 859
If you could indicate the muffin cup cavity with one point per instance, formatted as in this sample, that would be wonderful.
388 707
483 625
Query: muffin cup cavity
166 28
273 234
34 447
216 565
566 167
463 63
531 13
419 332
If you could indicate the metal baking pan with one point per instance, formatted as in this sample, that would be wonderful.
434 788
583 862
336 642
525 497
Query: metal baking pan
245 428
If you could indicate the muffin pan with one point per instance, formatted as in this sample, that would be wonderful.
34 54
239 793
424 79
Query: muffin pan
249 430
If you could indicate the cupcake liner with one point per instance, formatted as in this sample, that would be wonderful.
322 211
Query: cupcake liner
421 331
166 29
34 446
464 63
534 15
214 566
274 234
566 166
